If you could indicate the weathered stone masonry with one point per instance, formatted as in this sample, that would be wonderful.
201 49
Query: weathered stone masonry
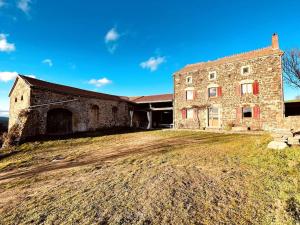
87 112
265 99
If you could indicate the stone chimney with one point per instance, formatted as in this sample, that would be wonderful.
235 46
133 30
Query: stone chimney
275 41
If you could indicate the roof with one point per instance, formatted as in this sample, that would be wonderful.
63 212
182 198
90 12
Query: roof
228 59
152 98
44 85
40 84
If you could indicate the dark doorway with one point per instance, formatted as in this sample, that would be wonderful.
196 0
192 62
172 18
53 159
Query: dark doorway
59 121
162 119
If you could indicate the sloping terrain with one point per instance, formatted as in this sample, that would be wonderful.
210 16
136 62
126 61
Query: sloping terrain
154 177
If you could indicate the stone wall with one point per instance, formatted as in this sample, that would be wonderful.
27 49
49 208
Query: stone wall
87 113
292 122
19 100
266 70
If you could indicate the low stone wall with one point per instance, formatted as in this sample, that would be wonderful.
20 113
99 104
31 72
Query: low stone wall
292 122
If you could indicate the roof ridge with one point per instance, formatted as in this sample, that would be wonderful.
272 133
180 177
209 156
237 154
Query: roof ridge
232 56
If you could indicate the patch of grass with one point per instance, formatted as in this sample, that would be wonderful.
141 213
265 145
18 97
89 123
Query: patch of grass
157 177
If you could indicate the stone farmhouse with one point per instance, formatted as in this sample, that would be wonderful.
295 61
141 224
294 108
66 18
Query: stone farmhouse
243 91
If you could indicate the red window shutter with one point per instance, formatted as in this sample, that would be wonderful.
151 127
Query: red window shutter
194 94
255 88
219 91
183 113
238 90
256 112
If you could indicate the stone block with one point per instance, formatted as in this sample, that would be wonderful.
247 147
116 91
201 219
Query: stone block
277 145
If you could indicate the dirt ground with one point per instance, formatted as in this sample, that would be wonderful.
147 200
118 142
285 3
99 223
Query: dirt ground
154 177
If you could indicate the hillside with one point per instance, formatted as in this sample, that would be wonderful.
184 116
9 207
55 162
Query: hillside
154 177
4 121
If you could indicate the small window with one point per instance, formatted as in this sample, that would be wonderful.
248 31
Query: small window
189 80
213 75
247 88
245 70
189 113
247 112
16 100
189 95
22 98
212 92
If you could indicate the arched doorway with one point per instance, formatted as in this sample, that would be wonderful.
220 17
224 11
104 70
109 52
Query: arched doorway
59 121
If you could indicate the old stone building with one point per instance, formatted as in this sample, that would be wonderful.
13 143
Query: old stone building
244 91
42 108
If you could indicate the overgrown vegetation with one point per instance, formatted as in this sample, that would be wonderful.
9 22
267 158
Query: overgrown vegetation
156 177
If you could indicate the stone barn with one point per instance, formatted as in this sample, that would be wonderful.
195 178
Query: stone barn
42 108
57 109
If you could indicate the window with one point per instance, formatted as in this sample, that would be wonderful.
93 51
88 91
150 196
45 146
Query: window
212 92
22 98
16 99
247 112
245 70
190 113
212 75
189 95
189 80
247 88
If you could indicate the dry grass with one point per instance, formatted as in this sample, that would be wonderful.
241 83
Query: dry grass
157 177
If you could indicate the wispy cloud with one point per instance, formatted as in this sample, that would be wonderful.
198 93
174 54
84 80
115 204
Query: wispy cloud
111 38
2 3
24 5
5 46
100 82
153 63
48 62
7 76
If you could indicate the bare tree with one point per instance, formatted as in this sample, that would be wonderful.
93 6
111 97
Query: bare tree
291 67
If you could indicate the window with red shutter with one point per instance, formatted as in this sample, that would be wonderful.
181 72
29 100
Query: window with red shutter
219 91
195 95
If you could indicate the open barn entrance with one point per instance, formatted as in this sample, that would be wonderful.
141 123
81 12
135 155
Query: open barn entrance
59 122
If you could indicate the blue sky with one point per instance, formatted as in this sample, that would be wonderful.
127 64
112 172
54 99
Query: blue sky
133 47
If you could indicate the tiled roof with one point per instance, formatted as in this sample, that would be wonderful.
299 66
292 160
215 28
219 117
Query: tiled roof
70 90
152 98
228 59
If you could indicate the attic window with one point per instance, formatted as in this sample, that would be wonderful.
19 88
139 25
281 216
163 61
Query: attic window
16 99
189 80
212 75
245 70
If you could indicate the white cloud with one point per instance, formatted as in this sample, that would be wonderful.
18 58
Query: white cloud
100 82
153 63
48 62
7 76
112 35
111 38
5 46
24 5
2 3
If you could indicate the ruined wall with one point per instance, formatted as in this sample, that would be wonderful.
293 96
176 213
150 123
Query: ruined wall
266 70
19 100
